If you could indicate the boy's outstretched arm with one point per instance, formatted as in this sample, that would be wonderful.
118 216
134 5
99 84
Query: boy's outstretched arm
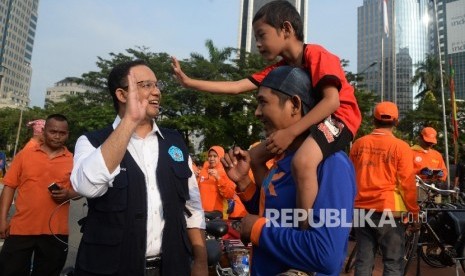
217 87
280 140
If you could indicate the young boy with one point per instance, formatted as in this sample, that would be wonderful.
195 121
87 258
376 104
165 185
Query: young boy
334 120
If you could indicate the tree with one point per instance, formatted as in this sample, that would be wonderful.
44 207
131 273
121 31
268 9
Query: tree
225 119
428 78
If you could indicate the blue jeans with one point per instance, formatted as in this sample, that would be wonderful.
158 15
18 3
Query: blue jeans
390 239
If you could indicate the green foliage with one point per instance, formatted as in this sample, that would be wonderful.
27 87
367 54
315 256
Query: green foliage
215 119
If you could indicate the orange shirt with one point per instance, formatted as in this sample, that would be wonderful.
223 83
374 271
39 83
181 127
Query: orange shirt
214 193
428 158
384 173
30 174
31 144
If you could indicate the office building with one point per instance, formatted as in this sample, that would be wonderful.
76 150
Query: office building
451 30
69 86
18 22
247 12
394 49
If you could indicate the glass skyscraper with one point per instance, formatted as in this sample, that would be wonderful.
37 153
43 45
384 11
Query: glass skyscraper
18 22
451 24
387 57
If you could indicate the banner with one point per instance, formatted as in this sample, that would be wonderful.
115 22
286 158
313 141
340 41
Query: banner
385 18
455 21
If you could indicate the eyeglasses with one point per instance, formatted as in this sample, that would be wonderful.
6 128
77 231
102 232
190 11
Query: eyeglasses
149 85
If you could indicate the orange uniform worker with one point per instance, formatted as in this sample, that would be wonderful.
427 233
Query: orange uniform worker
424 156
385 182
216 187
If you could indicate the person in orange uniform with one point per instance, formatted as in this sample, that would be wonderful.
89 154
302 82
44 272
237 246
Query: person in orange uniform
424 156
385 186
38 227
216 188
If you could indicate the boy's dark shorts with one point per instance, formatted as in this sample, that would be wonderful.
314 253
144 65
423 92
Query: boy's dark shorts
331 135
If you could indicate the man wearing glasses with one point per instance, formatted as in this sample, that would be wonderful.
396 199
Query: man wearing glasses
145 216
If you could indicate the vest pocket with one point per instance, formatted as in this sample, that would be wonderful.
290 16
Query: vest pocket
100 249
116 198
182 173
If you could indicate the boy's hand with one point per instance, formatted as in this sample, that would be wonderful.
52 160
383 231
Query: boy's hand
178 73
278 141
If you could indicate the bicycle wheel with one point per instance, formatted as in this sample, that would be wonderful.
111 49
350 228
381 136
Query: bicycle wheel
430 251
411 243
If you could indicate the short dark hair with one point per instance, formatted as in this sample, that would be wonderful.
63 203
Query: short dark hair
380 123
57 117
118 78
275 13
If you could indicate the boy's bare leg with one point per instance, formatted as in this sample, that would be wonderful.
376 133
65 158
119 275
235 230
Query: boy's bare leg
304 171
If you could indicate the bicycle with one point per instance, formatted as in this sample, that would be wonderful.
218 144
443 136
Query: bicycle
441 241
226 257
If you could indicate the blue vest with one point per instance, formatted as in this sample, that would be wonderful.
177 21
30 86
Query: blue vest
114 232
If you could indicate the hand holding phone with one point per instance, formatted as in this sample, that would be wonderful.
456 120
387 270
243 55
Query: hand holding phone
53 187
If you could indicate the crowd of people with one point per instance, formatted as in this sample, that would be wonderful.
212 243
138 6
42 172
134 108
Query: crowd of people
295 192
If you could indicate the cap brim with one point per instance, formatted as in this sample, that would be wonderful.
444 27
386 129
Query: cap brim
430 140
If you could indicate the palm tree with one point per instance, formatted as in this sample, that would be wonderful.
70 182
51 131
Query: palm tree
427 77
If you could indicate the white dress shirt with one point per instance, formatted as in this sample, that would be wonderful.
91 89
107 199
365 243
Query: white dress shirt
90 177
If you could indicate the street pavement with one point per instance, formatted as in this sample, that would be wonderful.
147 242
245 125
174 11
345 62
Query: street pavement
425 270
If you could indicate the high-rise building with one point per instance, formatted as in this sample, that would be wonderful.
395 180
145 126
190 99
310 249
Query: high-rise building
18 22
69 86
451 30
248 10
394 49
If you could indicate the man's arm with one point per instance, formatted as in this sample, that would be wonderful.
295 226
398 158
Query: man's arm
6 198
406 177
258 158
196 225
321 248
217 87
86 179
199 250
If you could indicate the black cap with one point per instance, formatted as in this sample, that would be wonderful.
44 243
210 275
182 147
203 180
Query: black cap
292 81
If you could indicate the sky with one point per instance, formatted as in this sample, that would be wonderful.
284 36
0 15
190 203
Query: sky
72 34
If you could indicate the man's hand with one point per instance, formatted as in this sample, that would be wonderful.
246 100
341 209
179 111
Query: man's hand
279 141
61 195
199 269
4 228
414 227
236 163
247 223
178 73
136 102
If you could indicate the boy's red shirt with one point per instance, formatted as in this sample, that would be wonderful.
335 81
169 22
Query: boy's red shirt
325 69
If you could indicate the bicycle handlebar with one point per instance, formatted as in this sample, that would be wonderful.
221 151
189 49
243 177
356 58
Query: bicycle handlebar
434 188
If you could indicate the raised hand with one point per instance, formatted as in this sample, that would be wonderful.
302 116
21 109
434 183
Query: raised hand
236 163
136 101
178 73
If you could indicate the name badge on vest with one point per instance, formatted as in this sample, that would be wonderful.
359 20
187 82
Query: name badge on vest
176 154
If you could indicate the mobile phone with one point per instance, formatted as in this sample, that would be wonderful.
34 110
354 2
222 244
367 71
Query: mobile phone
53 187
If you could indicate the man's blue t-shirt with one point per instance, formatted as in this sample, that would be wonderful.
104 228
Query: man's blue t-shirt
323 247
